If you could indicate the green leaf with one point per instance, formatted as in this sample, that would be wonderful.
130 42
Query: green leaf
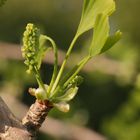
91 9
86 6
55 63
69 95
101 33
111 40
62 106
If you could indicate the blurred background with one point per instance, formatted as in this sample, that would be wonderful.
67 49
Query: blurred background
108 101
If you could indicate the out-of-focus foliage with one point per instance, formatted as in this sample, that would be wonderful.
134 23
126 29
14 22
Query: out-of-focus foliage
125 124
2 2
55 19
125 18
14 71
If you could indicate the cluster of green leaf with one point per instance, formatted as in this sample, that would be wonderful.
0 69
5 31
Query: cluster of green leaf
125 125
63 87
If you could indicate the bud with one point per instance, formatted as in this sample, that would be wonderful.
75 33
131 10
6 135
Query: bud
62 106
77 80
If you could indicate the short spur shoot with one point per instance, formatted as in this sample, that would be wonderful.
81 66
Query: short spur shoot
63 87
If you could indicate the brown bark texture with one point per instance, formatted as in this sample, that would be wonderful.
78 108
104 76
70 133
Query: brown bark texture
53 127
36 116
13 129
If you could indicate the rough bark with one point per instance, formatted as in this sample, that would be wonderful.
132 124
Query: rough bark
36 116
12 129
51 126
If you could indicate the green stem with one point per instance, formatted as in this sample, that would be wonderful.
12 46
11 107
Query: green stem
38 78
55 64
71 74
75 71
64 63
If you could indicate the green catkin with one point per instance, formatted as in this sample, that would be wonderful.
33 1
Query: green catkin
30 46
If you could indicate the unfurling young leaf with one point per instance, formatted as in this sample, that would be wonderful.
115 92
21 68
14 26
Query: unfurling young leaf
69 95
42 49
111 40
62 106
101 33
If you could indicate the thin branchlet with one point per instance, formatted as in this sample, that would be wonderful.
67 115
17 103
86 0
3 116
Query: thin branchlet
36 115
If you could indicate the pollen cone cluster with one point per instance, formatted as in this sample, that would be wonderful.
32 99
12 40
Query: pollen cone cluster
30 45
